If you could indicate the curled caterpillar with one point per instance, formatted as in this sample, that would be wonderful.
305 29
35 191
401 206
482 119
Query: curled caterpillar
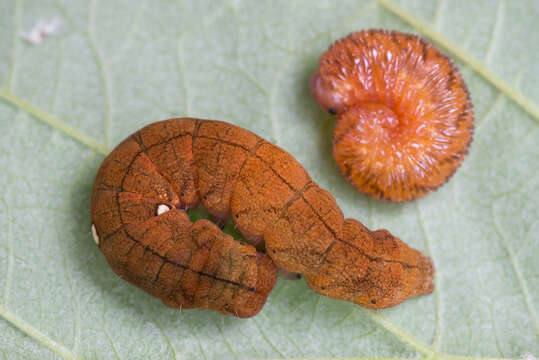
138 214
405 118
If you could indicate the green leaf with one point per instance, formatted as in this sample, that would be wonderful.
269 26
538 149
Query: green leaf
117 65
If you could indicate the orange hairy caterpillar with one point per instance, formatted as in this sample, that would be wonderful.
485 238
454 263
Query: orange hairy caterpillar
405 118
139 223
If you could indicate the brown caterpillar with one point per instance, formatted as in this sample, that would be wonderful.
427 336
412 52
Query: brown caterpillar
405 118
138 220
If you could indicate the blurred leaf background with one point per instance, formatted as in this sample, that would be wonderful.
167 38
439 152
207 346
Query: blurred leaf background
115 66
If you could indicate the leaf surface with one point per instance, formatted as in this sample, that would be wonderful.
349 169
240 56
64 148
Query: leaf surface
116 66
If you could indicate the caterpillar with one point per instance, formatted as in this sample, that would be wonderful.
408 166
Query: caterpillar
145 185
405 118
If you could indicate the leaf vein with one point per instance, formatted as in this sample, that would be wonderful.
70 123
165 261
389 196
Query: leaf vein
130 32
227 343
516 267
398 332
52 121
12 61
267 340
167 340
37 335
9 270
496 30
438 332
182 73
102 66
440 8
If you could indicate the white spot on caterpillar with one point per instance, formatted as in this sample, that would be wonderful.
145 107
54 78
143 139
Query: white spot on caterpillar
161 209
94 235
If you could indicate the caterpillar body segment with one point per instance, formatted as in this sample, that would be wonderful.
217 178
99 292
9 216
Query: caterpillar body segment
146 183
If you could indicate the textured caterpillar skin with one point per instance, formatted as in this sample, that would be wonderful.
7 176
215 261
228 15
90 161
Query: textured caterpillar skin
271 198
405 118
185 264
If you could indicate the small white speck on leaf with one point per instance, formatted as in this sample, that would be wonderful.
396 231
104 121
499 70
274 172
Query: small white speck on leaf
161 209
94 235
41 30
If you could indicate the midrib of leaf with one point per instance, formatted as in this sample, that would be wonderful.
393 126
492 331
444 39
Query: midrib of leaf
427 351
37 335
469 60
52 121
399 333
